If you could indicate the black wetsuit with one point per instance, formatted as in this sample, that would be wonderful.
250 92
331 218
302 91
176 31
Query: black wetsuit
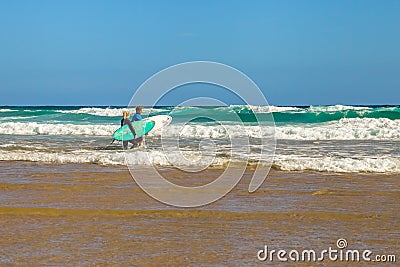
127 121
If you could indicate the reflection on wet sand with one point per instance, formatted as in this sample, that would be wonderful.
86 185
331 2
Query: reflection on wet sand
94 215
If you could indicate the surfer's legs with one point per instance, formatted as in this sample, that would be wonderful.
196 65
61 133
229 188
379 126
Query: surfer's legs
139 141
135 143
125 144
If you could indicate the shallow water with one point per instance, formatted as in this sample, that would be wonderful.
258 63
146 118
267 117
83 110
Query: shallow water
79 214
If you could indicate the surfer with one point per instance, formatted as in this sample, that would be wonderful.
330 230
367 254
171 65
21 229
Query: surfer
138 117
125 120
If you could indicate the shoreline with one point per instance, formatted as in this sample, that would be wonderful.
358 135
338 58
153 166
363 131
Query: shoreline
250 167
81 214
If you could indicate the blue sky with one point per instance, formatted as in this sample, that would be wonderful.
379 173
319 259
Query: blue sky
298 52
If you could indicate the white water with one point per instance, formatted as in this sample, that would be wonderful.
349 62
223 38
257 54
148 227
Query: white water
344 129
381 163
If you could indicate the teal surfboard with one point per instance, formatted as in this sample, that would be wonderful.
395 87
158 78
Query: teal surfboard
141 128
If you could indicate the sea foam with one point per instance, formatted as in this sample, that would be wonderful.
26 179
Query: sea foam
344 129
379 164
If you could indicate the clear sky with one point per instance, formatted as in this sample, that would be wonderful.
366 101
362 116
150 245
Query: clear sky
298 52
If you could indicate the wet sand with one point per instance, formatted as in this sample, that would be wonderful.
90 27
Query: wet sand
77 214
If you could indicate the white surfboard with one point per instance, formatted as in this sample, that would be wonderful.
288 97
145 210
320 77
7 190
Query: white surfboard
160 121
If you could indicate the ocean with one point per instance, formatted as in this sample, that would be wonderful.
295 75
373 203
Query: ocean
317 138
66 195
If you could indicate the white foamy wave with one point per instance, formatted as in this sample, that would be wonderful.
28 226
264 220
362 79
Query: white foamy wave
108 112
344 129
104 158
267 109
36 146
160 158
207 131
7 110
379 164
264 109
32 110
34 128
137 157
336 108
190 131
375 123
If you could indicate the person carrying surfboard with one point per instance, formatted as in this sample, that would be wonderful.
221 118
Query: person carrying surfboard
125 120
138 117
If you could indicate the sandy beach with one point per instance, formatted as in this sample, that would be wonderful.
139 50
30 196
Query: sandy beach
85 214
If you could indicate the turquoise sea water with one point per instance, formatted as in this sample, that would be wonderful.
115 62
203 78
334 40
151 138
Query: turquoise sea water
282 115
322 138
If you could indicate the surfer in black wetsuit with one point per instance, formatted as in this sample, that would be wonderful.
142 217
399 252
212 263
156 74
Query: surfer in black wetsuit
125 120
